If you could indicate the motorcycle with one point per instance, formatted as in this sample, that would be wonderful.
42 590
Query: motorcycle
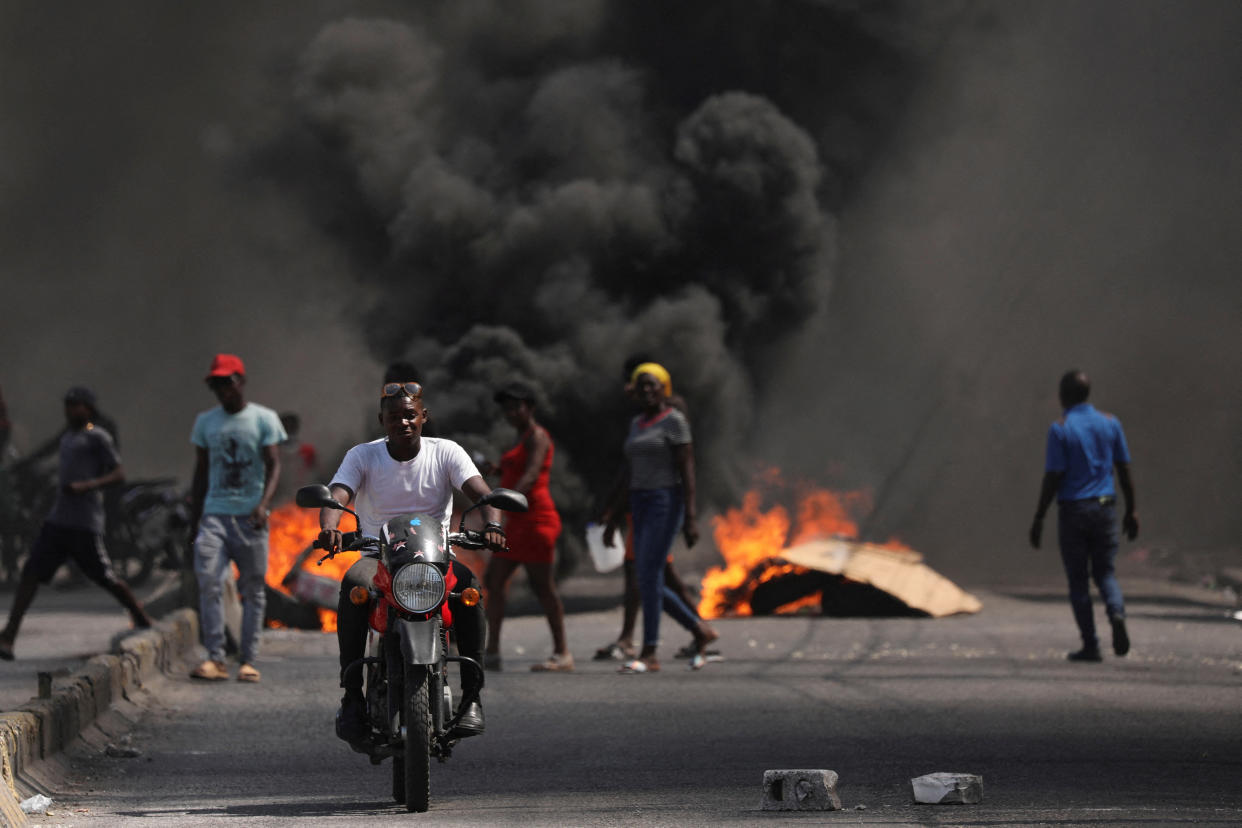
405 669
147 523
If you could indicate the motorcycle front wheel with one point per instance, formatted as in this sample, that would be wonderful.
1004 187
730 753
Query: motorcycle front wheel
417 760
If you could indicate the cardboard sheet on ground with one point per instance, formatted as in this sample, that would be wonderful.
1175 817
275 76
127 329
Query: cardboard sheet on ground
899 572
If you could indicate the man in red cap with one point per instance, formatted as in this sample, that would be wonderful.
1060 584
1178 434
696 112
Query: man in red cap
236 468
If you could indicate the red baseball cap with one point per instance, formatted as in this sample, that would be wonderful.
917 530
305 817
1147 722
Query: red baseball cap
226 365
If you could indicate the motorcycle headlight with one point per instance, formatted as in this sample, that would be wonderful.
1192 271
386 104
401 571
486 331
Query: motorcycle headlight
418 587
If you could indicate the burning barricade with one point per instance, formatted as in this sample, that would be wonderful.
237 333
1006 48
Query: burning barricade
778 566
301 592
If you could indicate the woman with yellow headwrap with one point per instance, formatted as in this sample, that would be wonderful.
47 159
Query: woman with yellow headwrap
659 475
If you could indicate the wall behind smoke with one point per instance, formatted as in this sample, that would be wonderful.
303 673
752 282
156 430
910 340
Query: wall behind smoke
1066 195
134 245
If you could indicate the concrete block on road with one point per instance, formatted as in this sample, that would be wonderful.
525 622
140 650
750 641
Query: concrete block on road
948 789
800 790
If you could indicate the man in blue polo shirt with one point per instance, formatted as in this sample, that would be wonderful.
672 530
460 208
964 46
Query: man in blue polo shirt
1084 447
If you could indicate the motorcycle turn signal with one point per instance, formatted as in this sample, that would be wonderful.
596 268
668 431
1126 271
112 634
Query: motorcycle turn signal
359 595
470 596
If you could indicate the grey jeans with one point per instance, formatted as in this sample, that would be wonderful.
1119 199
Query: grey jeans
220 539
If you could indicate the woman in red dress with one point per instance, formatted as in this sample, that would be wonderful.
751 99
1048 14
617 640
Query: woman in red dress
532 534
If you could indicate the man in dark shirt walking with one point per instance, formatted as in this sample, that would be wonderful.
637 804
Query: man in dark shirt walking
74 528
1084 447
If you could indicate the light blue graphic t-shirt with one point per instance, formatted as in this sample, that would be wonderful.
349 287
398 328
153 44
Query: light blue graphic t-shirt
234 444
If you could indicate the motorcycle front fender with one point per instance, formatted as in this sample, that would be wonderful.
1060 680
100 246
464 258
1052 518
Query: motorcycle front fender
420 640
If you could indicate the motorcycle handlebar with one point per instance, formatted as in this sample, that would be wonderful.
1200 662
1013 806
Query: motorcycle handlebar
354 541
467 539
350 542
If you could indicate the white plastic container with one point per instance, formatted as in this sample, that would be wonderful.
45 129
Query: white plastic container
605 558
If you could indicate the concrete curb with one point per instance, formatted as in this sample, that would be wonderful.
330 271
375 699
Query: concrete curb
43 727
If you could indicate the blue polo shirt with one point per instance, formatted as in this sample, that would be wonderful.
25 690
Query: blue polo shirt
1084 445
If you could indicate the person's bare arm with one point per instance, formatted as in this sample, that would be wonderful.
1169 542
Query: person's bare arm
116 475
537 444
685 467
1130 521
198 488
475 488
330 519
271 476
614 505
1047 491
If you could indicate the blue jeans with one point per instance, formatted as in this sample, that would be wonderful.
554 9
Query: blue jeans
657 516
1087 532
224 538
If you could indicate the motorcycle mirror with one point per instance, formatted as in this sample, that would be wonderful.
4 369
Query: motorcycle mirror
507 500
316 495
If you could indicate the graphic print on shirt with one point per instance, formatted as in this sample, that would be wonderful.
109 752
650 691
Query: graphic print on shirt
233 461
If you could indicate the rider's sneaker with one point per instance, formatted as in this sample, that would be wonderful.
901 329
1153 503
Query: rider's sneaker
351 720
471 723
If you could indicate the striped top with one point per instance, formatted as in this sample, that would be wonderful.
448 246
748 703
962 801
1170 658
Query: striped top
651 449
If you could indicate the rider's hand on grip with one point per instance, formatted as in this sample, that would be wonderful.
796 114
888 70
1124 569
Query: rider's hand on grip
329 540
495 538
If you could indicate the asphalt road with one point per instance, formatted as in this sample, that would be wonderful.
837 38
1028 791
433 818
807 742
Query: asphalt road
1149 739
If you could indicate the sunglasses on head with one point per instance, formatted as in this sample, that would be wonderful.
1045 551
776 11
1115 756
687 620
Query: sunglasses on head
402 389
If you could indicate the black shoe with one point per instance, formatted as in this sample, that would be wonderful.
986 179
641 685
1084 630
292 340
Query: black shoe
1086 654
351 722
471 723
1121 639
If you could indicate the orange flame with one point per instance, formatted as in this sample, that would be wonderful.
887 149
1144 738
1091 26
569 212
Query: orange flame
750 540
291 530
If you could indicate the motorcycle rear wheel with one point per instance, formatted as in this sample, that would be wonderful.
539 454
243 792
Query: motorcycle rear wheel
417 759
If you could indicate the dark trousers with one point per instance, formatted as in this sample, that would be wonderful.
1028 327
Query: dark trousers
1087 532
469 623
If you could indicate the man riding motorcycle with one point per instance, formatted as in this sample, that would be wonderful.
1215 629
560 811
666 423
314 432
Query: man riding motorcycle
401 473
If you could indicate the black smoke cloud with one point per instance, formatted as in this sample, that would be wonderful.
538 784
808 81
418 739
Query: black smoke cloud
539 189
1004 190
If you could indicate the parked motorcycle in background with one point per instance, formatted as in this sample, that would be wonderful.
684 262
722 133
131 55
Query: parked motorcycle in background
146 520
405 670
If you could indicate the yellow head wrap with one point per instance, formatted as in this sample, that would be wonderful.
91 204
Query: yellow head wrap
656 370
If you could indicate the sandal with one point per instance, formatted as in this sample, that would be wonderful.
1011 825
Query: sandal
555 664
616 651
692 649
639 666
702 659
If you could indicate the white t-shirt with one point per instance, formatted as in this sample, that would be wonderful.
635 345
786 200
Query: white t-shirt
385 488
